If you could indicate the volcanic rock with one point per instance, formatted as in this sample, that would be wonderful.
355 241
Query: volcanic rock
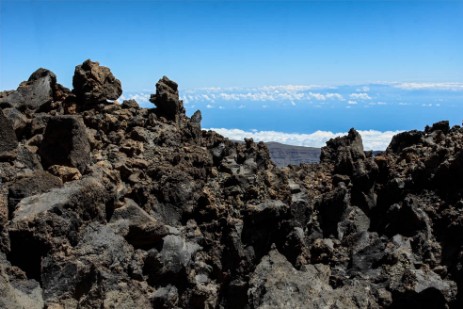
343 152
166 99
94 84
65 143
107 205
8 140
34 94
39 182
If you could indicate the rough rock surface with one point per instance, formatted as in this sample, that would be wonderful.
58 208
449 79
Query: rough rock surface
95 84
37 93
65 142
8 140
108 205
167 102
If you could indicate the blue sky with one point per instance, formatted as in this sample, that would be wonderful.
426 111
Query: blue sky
240 45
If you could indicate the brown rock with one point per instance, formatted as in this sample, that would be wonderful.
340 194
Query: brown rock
166 99
95 84
65 173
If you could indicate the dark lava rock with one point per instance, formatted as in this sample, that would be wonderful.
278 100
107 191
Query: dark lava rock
116 206
34 94
19 121
441 125
94 84
404 140
343 152
8 140
65 142
39 182
168 104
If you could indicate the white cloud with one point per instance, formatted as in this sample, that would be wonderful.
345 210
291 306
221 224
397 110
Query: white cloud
317 96
285 93
360 96
289 88
334 96
352 102
430 86
325 96
363 89
141 97
372 140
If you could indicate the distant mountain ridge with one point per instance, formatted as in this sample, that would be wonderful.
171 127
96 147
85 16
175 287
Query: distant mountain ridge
284 155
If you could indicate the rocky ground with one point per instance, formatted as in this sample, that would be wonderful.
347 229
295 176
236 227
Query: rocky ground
108 205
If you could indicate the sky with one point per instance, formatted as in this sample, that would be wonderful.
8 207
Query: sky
287 67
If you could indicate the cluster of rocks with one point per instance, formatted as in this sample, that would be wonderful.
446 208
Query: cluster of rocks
109 205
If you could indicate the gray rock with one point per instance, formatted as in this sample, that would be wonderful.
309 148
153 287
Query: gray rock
100 245
34 94
85 196
354 220
143 231
170 264
176 253
277 284
8 140
65 142
17 292
343 151
404 140
39 182
165 297
18 120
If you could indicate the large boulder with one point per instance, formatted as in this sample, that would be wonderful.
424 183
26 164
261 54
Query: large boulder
34 94
166 99
65 142
18 120
85 197
8 140
95 84
403 140
39 182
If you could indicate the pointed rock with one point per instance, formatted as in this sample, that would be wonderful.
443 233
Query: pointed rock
34 94
166 99
95 84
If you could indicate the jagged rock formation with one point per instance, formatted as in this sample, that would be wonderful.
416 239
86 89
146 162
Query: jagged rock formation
108 205
94 83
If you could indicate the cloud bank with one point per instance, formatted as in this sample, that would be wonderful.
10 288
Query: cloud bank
372 140
430 86
262 94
